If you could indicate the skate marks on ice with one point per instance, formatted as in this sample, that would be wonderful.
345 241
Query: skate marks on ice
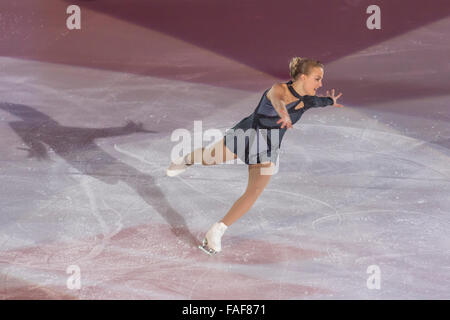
77 147
406 244
368 164
147 261
142 159
12 288
161 168
297 195
353 143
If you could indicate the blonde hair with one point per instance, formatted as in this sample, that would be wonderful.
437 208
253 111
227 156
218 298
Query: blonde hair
299 66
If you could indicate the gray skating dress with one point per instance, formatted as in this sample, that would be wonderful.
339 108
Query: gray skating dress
257 138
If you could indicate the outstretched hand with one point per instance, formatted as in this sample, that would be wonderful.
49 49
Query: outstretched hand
334 97
285 120
136 127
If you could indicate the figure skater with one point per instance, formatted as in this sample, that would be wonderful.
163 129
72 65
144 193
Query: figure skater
280 107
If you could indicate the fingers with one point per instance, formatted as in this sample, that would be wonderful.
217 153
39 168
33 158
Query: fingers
332 95
282 123
286 124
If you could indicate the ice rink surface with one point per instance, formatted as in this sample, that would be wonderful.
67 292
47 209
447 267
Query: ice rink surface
83 184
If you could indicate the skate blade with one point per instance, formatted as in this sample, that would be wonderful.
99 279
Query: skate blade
204 247
173 173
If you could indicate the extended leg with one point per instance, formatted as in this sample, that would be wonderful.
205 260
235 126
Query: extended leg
216 154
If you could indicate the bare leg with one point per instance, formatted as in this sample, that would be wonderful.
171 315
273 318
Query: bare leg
257 181
216 154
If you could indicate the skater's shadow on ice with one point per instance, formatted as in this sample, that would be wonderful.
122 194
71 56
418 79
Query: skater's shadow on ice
77 147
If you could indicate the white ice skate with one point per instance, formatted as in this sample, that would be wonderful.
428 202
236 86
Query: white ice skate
178 166
212 242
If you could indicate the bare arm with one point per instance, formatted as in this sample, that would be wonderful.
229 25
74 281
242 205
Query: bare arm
276 97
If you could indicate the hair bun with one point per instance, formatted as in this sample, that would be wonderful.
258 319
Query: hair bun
299 65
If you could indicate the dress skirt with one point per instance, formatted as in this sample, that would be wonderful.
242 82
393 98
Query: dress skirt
253 143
